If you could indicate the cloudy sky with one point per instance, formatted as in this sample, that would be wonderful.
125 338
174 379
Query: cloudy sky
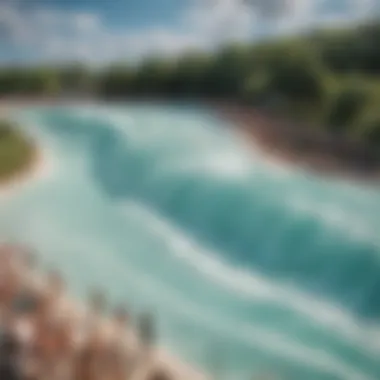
100 31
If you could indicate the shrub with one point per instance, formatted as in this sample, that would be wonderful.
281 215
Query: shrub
15 150
348 102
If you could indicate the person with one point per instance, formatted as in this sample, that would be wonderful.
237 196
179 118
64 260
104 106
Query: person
147 331
10 276
46 322
90 358
159 375
94 317
121 317
29 293
30 262
56 285
63 352
10 350
124 345
98 302
56 302
9 361
9 287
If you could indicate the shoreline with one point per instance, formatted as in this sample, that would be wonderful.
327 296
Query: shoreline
38 167
35 168
22 177
279 141
161 359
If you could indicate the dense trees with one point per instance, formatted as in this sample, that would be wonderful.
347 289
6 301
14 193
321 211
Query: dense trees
329 78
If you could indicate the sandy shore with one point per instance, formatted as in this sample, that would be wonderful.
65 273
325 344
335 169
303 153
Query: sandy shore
287 145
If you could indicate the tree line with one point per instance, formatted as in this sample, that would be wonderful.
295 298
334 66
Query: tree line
328 79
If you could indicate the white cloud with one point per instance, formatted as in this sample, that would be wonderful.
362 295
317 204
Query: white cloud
362 8
221 21
62 35
299 14
65 35
86 22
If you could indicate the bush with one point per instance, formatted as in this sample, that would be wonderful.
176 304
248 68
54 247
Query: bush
347 104
16 151
367 128
256 88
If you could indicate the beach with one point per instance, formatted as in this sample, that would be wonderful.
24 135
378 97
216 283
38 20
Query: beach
287 144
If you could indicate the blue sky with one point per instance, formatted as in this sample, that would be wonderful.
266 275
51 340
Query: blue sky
102 31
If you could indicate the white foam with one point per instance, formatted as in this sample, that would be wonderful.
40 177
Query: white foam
245 284
254 286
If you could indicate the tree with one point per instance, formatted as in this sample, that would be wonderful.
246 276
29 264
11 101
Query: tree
347 104
115 81
152 77
75 78
228 71
189 75
367 127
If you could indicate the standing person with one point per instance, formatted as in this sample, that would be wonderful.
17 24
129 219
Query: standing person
159 375
97 306
30 295
124 344
10 279
58 305
10 351
147 335
98 302
96 311
66 350
90 361
29 263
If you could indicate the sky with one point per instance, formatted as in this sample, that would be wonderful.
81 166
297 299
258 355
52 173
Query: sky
103 31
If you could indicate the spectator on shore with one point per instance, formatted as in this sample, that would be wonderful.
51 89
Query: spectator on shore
121 319
96 311
10 350
124 344
98 302
90 363
30 262
29 295
56 284
10 285
147 334
57 299
46 354
159 375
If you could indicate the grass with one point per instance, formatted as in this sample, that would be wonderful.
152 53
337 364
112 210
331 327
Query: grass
16 151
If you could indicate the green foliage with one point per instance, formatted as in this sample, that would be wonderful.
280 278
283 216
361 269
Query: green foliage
116 81
329 79
366 126
152 77
16 152
347 104
370 128
75 78
256 90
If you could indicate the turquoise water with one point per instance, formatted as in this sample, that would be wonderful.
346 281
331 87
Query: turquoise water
251 268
